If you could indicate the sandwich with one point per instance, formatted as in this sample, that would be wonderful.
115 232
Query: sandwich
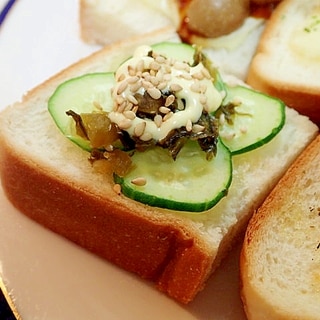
280 255
291 72
162 227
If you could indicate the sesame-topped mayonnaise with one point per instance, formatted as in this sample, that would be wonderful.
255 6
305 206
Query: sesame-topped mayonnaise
188 88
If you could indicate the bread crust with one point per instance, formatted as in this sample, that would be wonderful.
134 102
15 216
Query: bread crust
264 75
257 295
156 249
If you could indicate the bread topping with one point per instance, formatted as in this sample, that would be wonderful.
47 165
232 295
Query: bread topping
182 93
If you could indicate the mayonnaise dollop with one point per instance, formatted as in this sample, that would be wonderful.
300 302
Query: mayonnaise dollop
189 87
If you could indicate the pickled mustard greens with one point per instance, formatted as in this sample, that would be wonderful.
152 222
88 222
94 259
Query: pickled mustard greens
172 136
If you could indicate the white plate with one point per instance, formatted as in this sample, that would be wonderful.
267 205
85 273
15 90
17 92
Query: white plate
47 276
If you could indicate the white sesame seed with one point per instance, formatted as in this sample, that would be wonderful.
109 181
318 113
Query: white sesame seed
129 114
228 136
109 148
164 110
154 93
162 85
128 106
125 123
139 129
154 81
146 85
133 79
117 188
243 129
175 87
203 98
169 100
160 59
167 77
139 74
206 73
180 65
195 87
119 100
198 75
140 65
186 76
132 99
196 128
122 87
189 125
132 71
222 119
146 136
168 116
140 181
136 86
203 87
121 77
159 76
205 107
155 66
146 75
122 106
158 120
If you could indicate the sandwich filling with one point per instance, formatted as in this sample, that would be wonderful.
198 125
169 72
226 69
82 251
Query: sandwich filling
165 124
159 100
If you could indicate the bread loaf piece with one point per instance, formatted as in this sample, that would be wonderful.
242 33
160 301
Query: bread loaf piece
286 64
50 179
281 252
104 22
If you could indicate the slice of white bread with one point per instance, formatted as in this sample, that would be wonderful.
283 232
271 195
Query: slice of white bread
280 259
286 64
104 22
50 179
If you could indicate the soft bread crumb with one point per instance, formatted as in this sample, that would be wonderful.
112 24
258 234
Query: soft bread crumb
280 258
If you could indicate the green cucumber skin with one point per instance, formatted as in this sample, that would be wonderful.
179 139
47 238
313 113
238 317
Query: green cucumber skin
148 197
272 126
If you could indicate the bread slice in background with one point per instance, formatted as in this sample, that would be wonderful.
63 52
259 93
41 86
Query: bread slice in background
104 22
50 179
287 61
280 260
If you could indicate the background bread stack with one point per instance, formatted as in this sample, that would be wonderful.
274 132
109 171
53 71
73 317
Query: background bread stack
287 61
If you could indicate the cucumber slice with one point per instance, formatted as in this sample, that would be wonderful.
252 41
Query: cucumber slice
190 183
80 94
256 121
